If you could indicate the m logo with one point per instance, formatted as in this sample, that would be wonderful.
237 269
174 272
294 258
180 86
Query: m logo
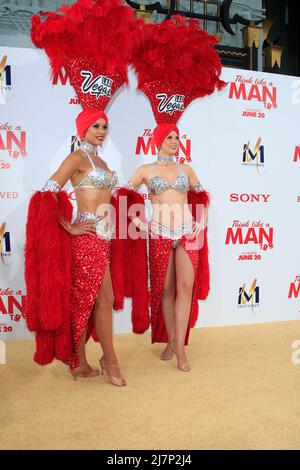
257 153
251 297
255 157
5 79
5 246
5 72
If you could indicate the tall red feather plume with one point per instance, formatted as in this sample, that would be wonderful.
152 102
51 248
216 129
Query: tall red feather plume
176 59
90 36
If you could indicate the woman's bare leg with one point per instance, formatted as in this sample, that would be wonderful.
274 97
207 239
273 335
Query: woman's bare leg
184 286
168 306
104 325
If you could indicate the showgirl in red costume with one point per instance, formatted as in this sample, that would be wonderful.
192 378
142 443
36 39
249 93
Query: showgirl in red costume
175 64
71 269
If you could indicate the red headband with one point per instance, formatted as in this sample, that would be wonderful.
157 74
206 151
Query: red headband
88 117
162 131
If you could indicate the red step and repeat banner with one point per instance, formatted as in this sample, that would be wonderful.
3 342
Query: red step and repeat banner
243 143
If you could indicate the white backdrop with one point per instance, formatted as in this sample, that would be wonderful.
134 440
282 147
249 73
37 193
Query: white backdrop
254 217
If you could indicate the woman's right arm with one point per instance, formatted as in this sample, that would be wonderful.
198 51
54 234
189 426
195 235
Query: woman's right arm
69 166
137 178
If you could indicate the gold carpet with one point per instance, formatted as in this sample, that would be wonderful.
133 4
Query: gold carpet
241 393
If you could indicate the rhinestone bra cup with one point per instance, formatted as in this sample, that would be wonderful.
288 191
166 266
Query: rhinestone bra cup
158 185
97 178
101 178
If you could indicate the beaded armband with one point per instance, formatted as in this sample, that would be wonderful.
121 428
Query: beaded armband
197 187
129 185
51 185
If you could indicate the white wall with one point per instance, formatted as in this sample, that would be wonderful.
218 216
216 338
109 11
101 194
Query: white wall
40 114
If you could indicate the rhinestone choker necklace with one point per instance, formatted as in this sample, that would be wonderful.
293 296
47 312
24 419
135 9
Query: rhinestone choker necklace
84 145
161 158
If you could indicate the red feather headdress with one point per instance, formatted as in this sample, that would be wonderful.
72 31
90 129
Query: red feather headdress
176 62
92 40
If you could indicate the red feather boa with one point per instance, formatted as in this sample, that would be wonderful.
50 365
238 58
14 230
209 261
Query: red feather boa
48 275
129 268
202 278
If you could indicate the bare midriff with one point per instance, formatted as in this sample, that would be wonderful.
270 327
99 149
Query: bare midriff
170 209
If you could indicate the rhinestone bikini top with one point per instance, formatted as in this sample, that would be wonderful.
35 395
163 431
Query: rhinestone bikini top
157 185
97 178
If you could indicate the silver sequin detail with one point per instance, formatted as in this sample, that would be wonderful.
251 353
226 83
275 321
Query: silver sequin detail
87 147
101 179
164 231
103 228
162 158
197 187
87 216
51 185
98 177
158 185
129 185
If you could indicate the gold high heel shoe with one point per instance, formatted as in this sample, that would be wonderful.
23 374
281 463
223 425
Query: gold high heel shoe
86 374
167 355
118 381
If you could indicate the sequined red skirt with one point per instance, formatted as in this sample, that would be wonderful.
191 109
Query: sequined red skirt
90 255
159 253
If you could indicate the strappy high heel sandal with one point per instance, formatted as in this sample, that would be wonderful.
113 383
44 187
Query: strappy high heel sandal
169 351
118 381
